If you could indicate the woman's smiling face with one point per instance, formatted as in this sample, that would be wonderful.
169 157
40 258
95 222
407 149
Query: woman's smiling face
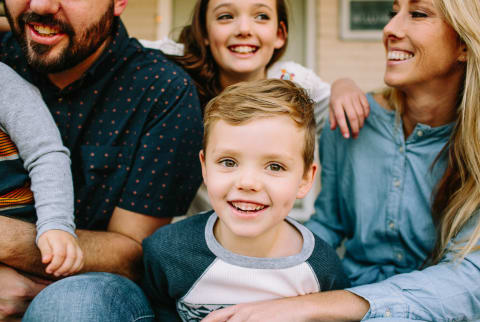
242 36
421 47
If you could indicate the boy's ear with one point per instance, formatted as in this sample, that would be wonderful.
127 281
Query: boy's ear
201 155
307 181
281 35
119 6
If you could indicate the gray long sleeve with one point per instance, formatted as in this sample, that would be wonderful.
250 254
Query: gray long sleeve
27 120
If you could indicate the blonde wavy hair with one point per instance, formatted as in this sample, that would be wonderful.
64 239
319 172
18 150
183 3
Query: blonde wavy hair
457 196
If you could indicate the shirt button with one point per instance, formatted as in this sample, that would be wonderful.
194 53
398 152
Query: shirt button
396 183
400 149
60 99
388 313
419 133
391 225
399 256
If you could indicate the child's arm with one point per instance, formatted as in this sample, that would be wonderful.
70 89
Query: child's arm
346 99
30 125
61 251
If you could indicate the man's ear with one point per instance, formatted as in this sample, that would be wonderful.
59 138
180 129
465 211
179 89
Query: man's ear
119 7
201 155
307 181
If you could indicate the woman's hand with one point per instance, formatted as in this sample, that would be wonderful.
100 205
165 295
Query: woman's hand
346 99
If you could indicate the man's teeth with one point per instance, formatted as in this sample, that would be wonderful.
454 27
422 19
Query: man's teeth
243 49
45 30
399 55
247 206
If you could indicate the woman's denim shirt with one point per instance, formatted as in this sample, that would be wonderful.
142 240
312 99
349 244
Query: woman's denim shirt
377 194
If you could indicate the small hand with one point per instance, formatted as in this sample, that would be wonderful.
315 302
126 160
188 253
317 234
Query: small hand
16 293
348 100
61 251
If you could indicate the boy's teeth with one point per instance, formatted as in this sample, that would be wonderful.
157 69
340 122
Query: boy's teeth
399 55
45 30
247 206
243 49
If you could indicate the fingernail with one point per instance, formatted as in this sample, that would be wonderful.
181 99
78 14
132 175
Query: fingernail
346 135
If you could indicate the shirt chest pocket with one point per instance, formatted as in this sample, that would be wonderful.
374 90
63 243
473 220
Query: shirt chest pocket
104 163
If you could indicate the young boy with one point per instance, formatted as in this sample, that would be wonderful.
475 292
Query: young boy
35 172
257 159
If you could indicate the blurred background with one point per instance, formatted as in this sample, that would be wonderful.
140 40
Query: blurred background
336 38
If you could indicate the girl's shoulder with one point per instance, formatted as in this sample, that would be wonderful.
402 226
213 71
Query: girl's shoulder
303 76
165 45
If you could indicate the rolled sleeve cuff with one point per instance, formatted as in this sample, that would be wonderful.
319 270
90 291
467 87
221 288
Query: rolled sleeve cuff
383 300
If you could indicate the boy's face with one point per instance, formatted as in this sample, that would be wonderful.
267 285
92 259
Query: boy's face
254 172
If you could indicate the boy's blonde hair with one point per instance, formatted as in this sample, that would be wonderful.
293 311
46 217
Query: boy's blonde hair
246 101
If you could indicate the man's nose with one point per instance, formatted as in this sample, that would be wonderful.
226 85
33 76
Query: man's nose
45 7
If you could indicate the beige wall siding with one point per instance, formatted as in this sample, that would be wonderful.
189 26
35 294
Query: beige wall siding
139 17
363 61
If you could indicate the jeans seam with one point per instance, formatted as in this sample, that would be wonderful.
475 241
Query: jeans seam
144 317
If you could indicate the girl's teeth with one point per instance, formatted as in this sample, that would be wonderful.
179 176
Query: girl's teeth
399 55
243 49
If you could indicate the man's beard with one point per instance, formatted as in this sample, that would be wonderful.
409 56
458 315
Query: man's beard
80 46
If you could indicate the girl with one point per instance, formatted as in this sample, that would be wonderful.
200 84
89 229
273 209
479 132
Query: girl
232 41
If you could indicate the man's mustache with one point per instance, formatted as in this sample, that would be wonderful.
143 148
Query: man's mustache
49 20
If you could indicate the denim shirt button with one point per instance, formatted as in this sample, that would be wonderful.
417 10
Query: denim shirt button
396 183
399 256
401 149
391 225
420 133
388 313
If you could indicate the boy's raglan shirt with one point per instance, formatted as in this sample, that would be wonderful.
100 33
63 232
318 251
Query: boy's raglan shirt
188 274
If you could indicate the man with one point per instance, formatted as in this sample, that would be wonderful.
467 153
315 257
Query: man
132 122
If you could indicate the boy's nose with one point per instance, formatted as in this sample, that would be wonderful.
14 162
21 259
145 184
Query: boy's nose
249 181
45 7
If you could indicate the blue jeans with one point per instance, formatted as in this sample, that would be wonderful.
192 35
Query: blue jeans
90 297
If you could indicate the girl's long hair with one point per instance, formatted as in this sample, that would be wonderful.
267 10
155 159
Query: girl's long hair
457 195
198 60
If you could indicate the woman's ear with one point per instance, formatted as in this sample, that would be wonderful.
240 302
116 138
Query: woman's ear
281 35
462 57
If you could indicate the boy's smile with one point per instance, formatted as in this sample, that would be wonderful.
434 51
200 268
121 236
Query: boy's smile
254 172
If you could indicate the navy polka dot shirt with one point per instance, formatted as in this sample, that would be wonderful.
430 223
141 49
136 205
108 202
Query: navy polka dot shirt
133 125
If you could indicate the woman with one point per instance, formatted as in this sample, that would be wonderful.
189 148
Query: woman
405 194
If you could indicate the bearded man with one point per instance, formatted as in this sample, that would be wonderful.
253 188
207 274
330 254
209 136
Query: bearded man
132 122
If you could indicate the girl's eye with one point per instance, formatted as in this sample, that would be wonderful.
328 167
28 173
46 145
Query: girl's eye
418 14
225 16
228 163
275 167
262 16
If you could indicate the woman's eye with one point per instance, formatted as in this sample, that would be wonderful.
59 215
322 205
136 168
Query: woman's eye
225 16
228 163
262 16
392 14
418 14
275 167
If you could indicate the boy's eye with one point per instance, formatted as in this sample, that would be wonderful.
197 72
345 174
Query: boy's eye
275 167
225 16
228 163
262 16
